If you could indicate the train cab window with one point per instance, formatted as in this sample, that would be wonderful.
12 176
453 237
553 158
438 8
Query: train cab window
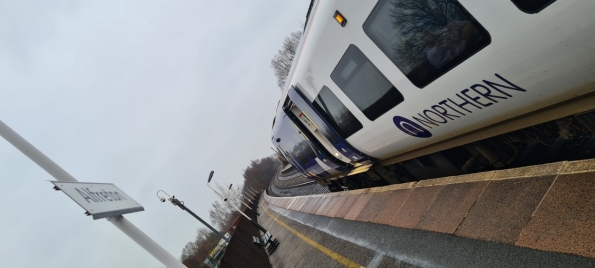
335 113
305 145
300 156
532 6
330 137
296 153
425 39
364 84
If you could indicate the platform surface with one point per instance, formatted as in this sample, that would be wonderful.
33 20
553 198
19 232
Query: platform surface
539 216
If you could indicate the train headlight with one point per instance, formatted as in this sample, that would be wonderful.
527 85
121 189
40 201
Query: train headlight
340 19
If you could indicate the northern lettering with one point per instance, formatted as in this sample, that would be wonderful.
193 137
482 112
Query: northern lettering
478 96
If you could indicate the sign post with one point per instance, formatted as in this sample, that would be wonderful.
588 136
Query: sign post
61 175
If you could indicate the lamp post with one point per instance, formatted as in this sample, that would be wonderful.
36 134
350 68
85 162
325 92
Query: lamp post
234 206
181 205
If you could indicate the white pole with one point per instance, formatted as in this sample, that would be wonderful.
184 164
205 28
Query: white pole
241 196
146 242
248 193
61 175
247 198
254 191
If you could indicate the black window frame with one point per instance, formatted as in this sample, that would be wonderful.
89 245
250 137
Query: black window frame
389 100
546 3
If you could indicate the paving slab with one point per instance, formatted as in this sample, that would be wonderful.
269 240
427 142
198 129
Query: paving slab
530 171
451 206
358 206
337 204
302 203
323 205
416 206
565 219
377 201
504 208
351 199
315 205
306 207
328 205
386 213
579 166
287 203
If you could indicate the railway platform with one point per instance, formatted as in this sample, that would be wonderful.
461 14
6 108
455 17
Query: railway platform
538 216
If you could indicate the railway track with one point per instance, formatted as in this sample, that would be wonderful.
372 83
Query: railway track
293 184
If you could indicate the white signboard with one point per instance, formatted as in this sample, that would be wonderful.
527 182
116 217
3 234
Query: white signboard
100 200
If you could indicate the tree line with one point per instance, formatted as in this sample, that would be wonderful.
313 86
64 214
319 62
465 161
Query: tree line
281 62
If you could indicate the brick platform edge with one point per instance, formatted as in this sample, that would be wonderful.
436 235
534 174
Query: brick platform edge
547 207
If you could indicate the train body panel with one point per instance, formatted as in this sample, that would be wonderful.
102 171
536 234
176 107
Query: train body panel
514 63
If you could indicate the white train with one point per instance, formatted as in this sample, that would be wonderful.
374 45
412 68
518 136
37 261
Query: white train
382 88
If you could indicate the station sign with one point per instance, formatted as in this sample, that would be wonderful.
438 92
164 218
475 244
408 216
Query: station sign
100 200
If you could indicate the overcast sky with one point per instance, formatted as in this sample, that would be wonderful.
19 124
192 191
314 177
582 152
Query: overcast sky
148 95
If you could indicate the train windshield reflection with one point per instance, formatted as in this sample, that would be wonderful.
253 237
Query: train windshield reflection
425 38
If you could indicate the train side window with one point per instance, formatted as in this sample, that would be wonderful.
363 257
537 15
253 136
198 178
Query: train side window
532 6
364 84
425 39
335 113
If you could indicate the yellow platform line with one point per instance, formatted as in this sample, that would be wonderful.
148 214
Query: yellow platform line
334 255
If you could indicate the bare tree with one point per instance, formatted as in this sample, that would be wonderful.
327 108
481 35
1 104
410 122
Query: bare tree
281 62
260 172
190 258
222 213
219 214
